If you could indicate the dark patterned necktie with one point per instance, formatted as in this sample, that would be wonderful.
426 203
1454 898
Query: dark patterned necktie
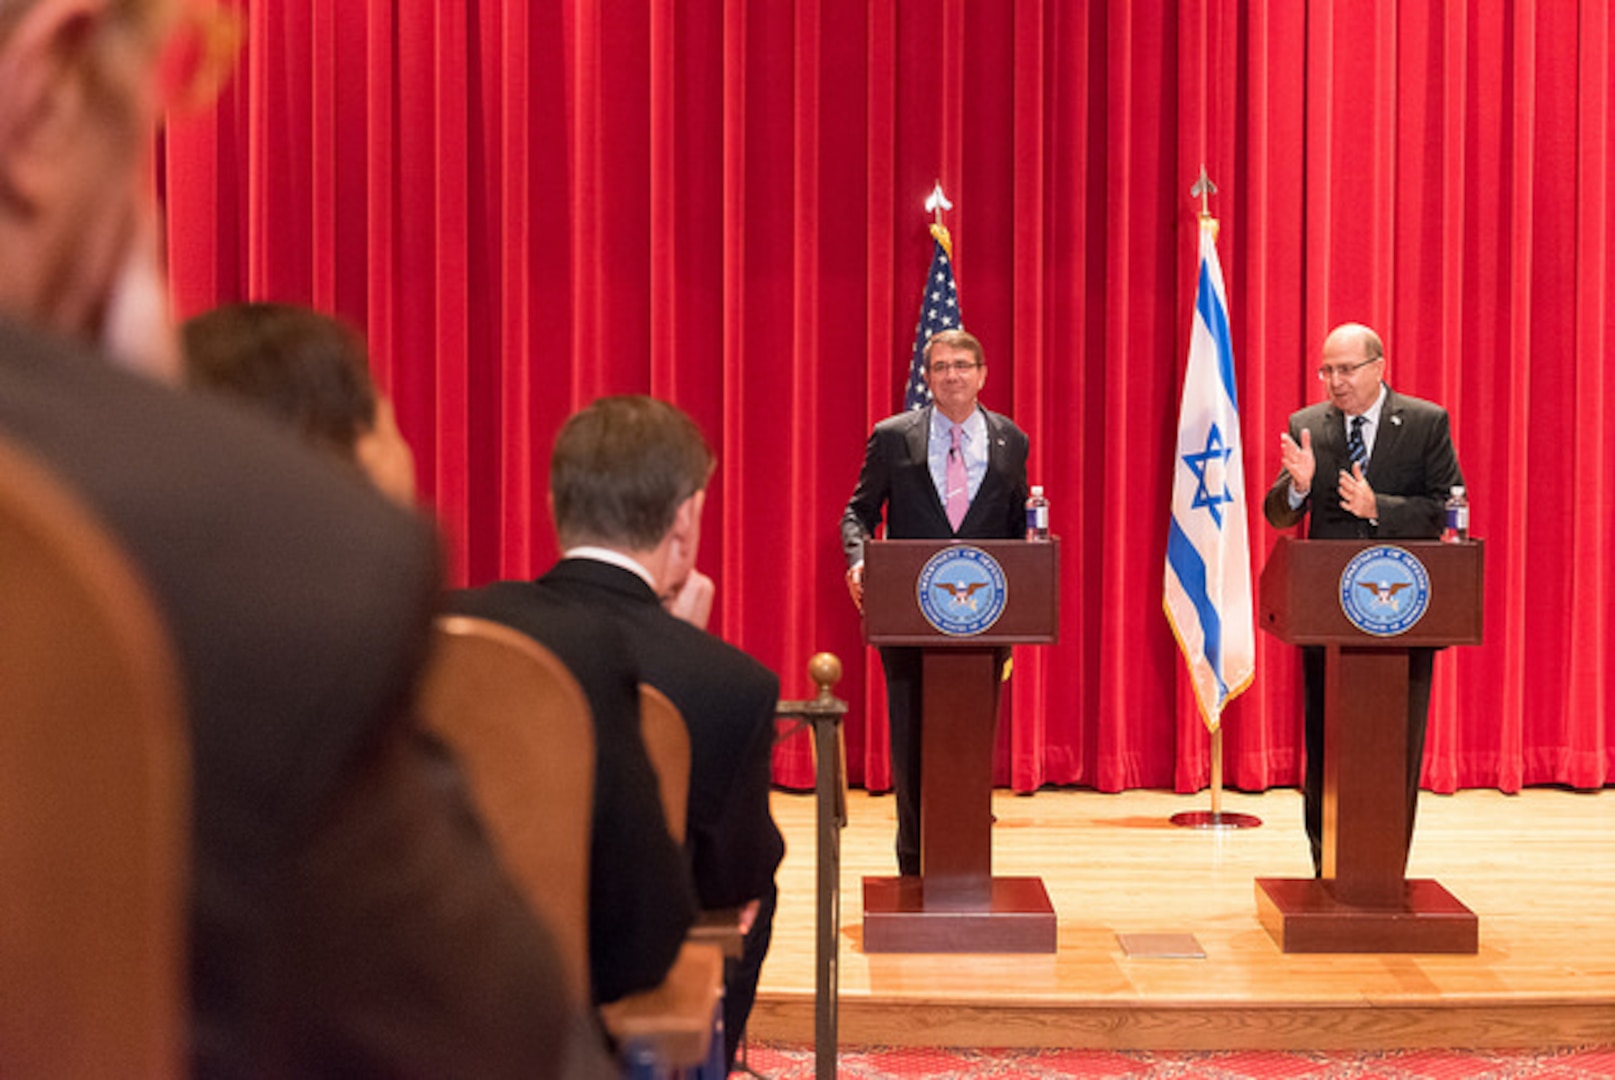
1355 448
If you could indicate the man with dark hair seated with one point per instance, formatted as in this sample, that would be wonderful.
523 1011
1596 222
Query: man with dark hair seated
628 478
308 370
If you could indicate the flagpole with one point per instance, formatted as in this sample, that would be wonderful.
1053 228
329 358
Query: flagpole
1215 818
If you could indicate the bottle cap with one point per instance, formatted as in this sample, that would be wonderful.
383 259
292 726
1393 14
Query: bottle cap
1037 489
1457 489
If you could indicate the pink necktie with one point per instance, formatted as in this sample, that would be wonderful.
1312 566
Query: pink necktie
958 481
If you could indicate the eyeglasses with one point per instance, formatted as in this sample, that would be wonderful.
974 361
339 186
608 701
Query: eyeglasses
199 55
1340 371
942 367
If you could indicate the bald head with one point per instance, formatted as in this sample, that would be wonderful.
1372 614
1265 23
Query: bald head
1352 366
1351 334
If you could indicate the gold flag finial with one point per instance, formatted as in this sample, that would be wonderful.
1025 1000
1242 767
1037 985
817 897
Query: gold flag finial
936 202
1203 187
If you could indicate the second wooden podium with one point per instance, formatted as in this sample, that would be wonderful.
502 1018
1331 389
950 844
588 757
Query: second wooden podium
1366 605
960 602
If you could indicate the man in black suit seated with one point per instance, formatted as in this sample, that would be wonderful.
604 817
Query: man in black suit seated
347 914
641 904
628 480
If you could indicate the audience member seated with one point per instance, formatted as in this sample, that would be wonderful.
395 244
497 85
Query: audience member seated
348 916
310 371
641 904
628 478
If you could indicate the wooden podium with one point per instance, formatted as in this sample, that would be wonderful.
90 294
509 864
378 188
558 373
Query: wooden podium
1364 903
960 609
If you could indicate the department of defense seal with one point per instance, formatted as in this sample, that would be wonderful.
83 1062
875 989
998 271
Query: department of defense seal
1384 590
962 590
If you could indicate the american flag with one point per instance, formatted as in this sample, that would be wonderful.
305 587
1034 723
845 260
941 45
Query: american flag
939 310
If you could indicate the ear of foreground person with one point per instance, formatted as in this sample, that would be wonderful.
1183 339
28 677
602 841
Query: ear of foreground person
347 916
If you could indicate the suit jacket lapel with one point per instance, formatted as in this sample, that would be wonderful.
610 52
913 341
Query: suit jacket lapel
919 454
1332 439
1389 433
918 437
997 449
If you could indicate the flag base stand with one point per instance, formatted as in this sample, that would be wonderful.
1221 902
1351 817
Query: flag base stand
1215 818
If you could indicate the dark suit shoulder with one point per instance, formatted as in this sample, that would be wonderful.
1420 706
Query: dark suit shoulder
577 634
1410 406
1001 424
906 420
298 598
705 676
743 673
1316 413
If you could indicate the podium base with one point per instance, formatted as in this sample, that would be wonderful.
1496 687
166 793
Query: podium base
1014 917
1303 916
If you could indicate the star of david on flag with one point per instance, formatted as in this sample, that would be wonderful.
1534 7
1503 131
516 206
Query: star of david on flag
939 310
1208 580
1210 468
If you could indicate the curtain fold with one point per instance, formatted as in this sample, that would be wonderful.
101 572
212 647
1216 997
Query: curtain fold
528 203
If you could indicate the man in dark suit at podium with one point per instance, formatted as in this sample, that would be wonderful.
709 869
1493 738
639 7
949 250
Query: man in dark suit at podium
1367 464
951 470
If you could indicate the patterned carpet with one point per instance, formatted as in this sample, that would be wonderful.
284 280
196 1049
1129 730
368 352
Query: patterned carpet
879 1063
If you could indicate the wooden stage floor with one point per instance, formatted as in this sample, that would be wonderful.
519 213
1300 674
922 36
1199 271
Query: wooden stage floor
1537 868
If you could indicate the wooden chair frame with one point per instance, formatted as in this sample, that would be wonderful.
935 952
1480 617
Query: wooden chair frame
94 798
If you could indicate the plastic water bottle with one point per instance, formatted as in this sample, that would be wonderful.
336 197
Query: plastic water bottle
1037 515
1457 530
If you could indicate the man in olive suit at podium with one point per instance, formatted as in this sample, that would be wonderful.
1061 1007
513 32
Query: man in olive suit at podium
1367 464
950 470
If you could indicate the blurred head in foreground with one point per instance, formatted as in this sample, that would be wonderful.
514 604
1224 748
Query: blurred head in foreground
83 84
310 372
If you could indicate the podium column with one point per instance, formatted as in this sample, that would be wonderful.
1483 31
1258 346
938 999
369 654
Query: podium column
1365 834
956 763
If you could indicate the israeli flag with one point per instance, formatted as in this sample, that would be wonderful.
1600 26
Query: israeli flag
1208 579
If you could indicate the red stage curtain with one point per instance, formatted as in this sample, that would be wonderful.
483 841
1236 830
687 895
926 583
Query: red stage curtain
528 203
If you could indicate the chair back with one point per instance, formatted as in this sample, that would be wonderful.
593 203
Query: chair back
94 799
521 728
676 1023
667 741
